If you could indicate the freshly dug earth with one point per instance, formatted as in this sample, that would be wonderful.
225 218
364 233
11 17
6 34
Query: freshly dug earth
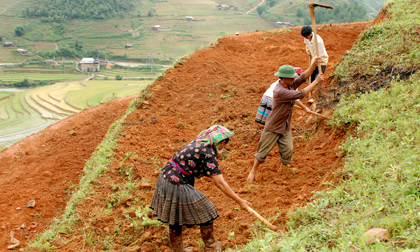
220 84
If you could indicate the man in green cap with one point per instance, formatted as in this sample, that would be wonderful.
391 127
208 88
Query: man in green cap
278 126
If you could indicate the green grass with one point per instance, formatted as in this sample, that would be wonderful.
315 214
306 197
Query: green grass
381 158
4 114
119 92
5 93
40 72
80 98
133 73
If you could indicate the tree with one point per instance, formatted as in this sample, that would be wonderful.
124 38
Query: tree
19 30
271 3
118 77
261 9
307 21
299 12
1 38
78 45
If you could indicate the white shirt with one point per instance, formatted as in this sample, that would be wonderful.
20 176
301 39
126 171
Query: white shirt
310 47
269 91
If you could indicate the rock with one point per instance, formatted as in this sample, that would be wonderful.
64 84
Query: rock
14 241
11 247
145 186
146 235
18 208
134 249
372 234
244 226
229 215
31 204
247 234
33 225
154 120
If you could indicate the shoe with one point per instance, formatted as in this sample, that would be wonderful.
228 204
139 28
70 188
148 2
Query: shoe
175 240
210 243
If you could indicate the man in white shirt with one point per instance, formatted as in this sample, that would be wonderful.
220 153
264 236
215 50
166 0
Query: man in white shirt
309 40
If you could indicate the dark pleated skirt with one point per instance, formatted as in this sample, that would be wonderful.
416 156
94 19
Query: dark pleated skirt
264 109
181 204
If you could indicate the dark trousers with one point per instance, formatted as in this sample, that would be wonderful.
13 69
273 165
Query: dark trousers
315 74
179 228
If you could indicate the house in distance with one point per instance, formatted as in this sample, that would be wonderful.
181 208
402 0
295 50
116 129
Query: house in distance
9 44
22 51
90 65
227 7
283 24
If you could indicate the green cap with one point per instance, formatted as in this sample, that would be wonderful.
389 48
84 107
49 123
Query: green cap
286 71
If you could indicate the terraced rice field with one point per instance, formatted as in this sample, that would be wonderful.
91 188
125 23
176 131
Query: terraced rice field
14 8
14 77
146 72
95 91
27 112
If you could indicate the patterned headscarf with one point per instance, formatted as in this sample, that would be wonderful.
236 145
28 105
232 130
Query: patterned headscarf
213 135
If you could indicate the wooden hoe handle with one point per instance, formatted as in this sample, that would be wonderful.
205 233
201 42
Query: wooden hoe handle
271 226
312 112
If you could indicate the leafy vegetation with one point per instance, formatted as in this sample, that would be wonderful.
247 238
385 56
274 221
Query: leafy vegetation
343 12
380 180
62 10
297 12
19 30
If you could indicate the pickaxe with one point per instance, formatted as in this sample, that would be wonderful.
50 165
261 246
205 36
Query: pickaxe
311 8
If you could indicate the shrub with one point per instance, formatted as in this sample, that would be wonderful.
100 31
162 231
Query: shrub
19 30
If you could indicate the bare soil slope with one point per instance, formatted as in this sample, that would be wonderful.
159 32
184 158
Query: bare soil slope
221 84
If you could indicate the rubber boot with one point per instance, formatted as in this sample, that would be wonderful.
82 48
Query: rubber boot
210 243
175 240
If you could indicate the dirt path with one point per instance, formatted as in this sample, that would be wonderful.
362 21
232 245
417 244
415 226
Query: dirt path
219 84
262 1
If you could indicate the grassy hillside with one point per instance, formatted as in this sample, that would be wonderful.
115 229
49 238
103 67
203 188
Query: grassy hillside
380 181
372 6
297 12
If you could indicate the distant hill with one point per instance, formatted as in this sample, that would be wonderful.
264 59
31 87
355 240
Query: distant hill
297 12
105 29
373 7
60 10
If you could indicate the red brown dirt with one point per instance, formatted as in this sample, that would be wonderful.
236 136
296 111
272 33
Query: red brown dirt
44 167
220 84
